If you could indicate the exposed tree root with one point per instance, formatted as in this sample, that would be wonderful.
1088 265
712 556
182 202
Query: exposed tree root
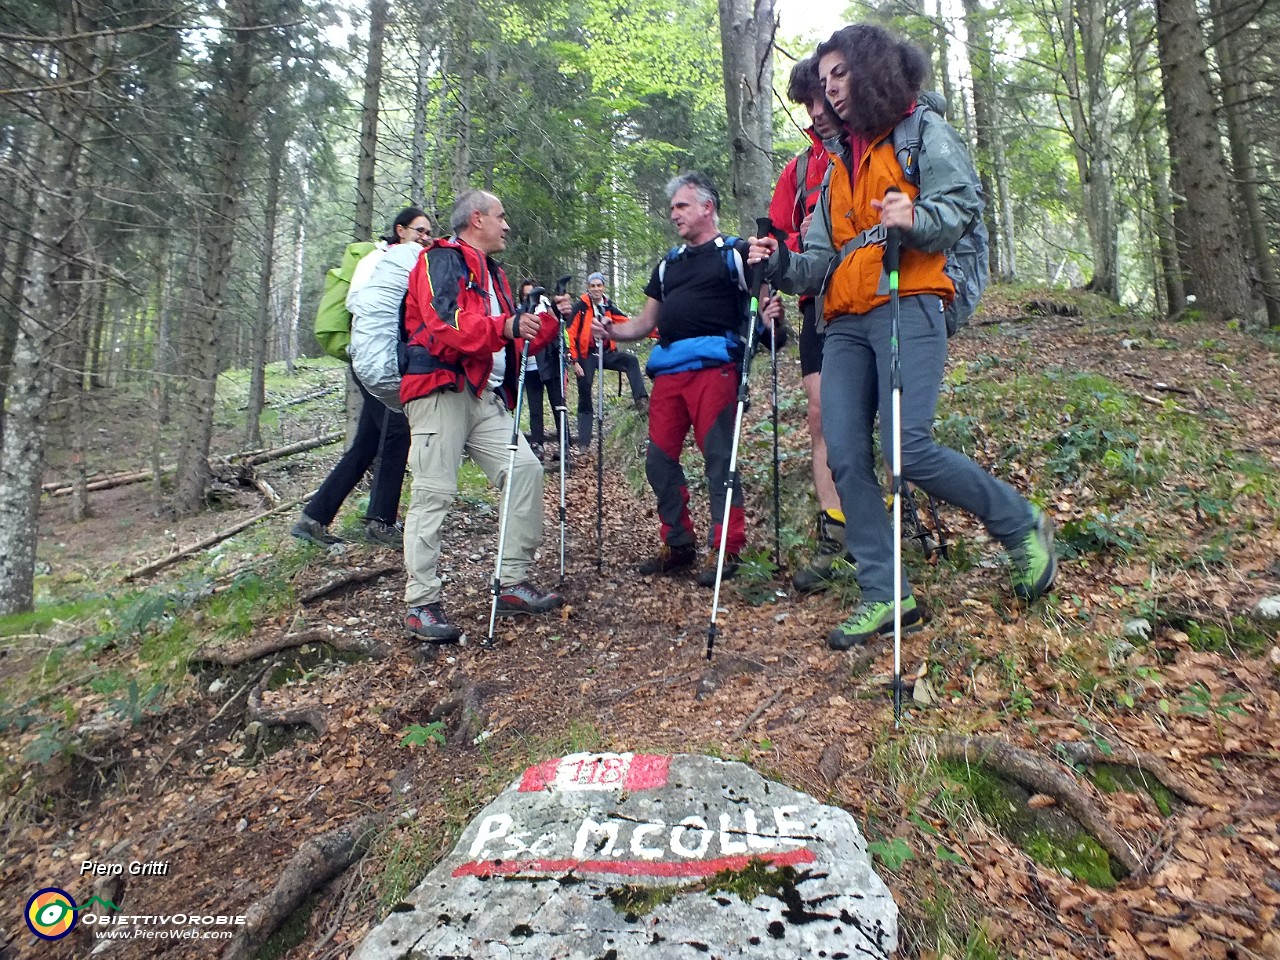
1039 776
465 706
299 716
349 578
317 862
247 653
1081 752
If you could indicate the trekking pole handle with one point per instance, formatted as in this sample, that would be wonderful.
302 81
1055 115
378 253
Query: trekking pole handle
892 243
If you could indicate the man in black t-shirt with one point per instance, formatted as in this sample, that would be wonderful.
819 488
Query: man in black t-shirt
699 306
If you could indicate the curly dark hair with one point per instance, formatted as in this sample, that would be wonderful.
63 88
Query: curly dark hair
803 84
887 74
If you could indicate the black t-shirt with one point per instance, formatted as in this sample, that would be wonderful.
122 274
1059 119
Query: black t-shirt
700 299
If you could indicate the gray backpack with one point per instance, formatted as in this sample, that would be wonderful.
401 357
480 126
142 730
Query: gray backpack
376 323
968 259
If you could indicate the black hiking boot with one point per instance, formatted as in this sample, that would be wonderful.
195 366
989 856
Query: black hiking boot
669 559
313 531
819 575
707 575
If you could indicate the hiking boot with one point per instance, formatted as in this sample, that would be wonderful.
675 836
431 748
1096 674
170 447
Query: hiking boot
871 619
537 449
669 559
429 623
818 575
524 597
313 531
1033 560
642 406
707 575
385 534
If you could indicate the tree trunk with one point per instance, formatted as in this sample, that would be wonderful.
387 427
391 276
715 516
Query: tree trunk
1083 26
747 29
42 318
363 226
1213 240
984 117
422 97
262 318
466 81
232 126
1235 95
293 315
1157 164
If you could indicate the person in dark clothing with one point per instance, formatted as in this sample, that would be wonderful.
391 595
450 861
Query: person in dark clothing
594 304
382 435
542 373
699 307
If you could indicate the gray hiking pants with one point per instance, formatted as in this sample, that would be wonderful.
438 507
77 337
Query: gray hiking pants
855 384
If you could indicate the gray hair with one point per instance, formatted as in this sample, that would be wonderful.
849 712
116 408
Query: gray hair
702 186
468 203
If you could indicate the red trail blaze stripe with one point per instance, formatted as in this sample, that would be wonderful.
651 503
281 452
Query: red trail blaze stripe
630 868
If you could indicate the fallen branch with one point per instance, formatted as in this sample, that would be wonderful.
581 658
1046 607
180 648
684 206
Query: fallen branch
1037 775
209 541
247 653
348 578
297 717
62 489
1081 752
317 862
252 459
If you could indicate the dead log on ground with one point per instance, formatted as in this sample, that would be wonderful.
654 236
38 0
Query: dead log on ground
247 653
1081 752
209 541
1039 776
253 459
349 578
317 862
62 489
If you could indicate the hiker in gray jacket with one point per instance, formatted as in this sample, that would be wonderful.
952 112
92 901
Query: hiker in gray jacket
866 193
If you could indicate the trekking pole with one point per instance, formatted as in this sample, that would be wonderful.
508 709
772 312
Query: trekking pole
777 490
600 454
731 481
562 412
892 256
513 446
937 527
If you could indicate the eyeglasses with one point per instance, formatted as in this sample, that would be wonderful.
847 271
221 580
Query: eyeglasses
421 231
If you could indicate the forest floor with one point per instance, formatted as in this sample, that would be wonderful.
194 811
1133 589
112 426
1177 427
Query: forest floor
1155 447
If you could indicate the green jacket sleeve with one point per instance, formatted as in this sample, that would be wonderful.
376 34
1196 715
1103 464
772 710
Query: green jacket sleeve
948 200
805 273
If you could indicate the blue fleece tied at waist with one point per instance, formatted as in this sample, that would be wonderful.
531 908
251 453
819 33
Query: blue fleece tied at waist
693 353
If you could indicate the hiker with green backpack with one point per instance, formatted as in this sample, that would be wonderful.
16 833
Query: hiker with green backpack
931 198
382 434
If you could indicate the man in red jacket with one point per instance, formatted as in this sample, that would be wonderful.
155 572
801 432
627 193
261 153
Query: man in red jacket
791 210
461 366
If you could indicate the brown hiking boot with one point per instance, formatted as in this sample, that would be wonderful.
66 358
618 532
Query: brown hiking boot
707 575
669 560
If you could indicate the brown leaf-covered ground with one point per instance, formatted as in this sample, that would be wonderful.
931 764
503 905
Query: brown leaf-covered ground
625 669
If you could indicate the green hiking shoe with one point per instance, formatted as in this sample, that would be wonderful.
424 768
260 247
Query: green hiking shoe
1033 560
871 619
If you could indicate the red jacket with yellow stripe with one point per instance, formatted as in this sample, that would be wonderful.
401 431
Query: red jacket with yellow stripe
451 330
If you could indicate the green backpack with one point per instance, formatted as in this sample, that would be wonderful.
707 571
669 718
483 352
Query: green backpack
333 321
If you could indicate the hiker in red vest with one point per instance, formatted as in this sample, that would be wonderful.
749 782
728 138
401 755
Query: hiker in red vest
465 334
